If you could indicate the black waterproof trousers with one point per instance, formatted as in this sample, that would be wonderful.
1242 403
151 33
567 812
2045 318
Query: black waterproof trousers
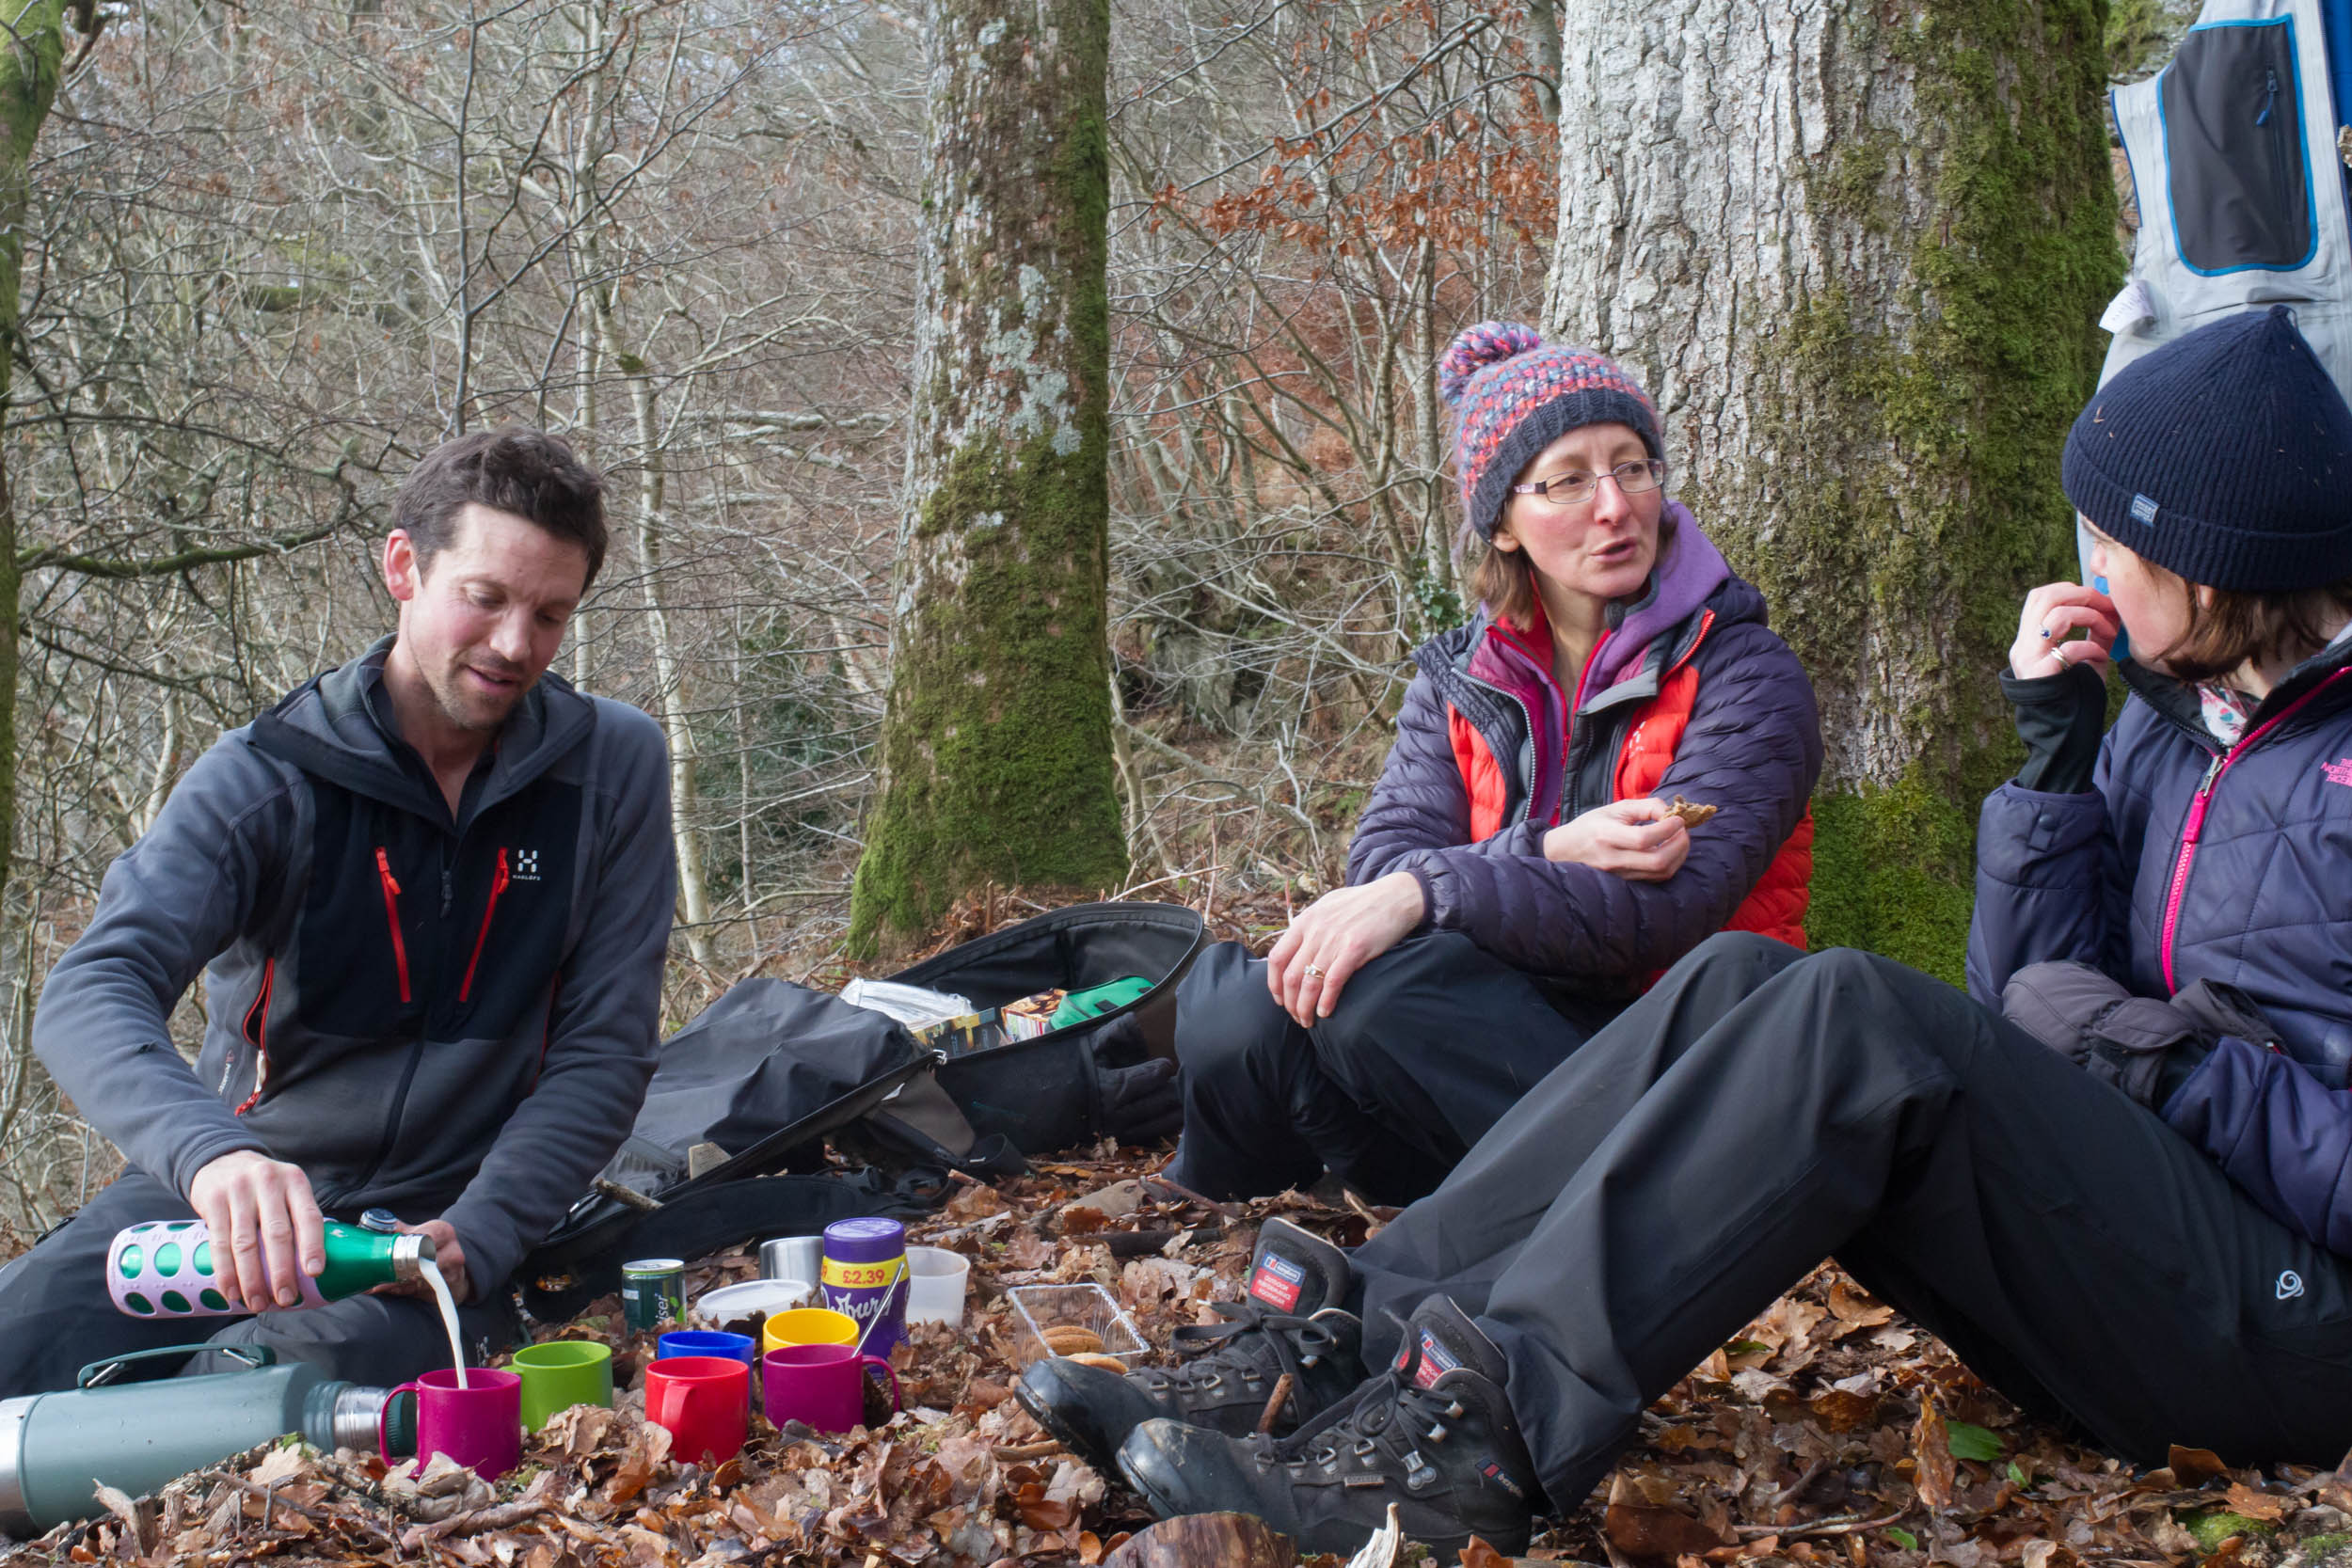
1430 1043
1759 1111
55 1315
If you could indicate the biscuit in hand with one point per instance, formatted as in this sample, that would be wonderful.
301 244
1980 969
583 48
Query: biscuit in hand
1690 813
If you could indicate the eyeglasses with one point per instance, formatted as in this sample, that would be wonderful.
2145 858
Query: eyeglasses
1645 473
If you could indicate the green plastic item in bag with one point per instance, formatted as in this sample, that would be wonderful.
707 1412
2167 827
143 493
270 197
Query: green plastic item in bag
1095 1001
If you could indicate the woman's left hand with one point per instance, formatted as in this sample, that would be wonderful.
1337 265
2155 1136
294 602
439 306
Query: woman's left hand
2052 613
1334 937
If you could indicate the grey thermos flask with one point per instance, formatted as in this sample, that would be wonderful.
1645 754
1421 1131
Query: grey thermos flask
54 1449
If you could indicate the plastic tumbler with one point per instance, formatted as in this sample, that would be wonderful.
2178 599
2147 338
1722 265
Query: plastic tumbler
560 1374
822 1387
807 1326
480 1426
701 1341
706 1403
936 1282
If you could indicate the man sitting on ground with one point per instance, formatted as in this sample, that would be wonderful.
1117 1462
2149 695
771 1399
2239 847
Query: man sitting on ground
433 888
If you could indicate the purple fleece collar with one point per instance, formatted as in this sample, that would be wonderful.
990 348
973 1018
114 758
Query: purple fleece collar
1686 578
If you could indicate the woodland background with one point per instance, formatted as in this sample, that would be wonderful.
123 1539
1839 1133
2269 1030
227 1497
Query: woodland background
273 255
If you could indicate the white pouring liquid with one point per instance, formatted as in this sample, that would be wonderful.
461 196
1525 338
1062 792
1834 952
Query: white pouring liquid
431 1273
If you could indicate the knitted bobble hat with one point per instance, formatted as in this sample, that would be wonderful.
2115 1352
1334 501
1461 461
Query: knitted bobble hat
1512 395
2224 456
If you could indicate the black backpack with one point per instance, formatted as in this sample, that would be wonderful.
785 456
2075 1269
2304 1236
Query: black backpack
730 1143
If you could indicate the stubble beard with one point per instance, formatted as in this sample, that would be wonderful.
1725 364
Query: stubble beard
471 714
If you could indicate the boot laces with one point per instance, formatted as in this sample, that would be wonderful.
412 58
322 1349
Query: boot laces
1216 1350
1387 1413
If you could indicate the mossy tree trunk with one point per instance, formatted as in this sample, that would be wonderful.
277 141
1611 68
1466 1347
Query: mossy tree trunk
32 53
1859 250
996 754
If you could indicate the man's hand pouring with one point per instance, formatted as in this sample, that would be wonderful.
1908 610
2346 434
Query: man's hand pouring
267 1227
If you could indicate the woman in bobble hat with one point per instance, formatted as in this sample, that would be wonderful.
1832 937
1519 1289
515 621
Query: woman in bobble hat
1515 879
1518 874
2115 1178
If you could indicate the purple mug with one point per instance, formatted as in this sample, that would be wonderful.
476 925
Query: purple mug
480 1426
822 1386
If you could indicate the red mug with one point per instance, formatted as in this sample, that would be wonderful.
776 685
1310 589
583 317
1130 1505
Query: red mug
705 1402
480 1426
822 1386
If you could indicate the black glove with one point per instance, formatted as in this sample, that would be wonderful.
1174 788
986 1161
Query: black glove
2061 718
1135 1095
2143 1046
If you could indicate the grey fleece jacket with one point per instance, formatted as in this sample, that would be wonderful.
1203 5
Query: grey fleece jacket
454 1019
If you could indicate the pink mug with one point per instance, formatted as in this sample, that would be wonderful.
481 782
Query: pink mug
822 1386
480 1426
705 1402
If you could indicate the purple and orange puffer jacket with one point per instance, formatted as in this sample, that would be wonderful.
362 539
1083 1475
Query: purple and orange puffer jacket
1689 692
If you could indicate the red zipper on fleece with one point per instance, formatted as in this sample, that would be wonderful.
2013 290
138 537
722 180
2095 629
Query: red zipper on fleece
490 912
2195 826
391 917
257 1031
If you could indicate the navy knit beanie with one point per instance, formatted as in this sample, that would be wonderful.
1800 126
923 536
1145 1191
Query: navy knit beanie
2224 456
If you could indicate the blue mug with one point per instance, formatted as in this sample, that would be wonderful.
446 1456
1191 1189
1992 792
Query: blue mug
700 1342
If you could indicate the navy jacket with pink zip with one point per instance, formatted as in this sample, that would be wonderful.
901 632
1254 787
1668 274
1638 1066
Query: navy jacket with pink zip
2187 862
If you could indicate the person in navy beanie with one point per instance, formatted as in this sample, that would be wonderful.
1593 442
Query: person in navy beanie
2222 458
2114 1176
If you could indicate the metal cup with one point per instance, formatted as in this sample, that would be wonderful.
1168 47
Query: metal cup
799 1258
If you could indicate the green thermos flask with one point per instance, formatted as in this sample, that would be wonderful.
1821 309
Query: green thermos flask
55 1448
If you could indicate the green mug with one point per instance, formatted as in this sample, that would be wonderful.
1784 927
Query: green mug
560 1374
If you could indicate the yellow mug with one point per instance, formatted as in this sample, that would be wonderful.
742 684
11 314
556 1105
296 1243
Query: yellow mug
807 1326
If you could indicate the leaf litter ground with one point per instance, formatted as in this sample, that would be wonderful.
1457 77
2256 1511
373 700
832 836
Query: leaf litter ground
1829 1433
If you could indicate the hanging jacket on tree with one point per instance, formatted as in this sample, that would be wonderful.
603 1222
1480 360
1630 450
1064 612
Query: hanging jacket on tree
1687 693
2187 862
448 1016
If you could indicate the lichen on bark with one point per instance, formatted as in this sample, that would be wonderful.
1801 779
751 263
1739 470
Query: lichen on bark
1871 375
997 751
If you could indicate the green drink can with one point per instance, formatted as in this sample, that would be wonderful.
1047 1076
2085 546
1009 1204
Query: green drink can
653 1292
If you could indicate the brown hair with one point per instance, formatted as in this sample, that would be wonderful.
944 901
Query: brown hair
1504 580
2226 628
518 470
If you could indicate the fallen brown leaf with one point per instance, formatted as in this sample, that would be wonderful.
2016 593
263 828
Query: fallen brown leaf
2267 1506
1931 1453
1853 1310
2196 1467
2038 1553
647 1448
1841 1411
1640 1527
1206 1541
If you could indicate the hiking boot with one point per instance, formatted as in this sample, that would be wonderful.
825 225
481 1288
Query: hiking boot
1287 1323
1434 1434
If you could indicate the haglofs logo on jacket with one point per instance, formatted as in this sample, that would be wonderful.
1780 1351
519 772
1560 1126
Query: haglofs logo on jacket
526 866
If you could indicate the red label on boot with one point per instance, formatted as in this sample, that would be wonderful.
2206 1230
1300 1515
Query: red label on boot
1434 1362
1278 1281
